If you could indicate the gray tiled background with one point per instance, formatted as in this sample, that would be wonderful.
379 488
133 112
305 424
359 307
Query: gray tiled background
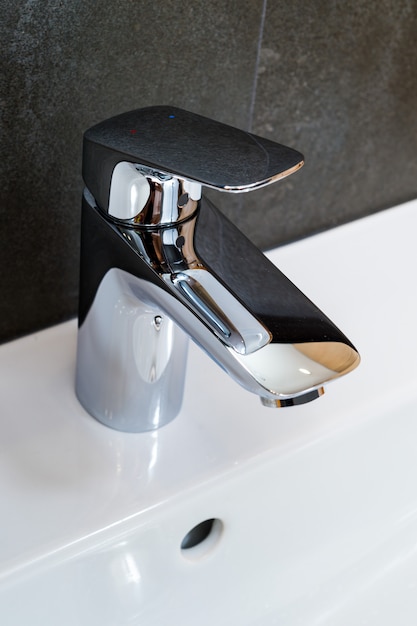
336 80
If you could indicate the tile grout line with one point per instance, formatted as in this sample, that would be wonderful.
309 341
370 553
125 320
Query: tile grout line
258 55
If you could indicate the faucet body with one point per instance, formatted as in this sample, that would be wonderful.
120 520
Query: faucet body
159 264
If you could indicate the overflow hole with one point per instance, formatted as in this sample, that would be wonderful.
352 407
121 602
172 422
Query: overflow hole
200 539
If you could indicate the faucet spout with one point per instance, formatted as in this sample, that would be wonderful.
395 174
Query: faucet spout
160 263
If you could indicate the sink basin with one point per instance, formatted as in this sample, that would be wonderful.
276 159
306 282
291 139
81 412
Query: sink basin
305 515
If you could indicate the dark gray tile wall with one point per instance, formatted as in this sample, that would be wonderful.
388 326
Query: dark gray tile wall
336 80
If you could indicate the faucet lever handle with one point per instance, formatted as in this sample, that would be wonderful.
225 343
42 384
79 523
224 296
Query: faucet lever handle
185 145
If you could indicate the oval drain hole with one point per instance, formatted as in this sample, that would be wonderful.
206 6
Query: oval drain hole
200 539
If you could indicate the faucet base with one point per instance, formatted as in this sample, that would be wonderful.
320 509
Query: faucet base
131 359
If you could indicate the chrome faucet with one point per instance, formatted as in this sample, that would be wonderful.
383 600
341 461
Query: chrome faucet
159 263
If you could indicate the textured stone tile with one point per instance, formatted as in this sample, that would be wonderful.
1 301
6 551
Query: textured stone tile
337 81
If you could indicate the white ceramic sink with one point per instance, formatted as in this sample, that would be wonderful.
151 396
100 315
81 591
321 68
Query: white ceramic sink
317 503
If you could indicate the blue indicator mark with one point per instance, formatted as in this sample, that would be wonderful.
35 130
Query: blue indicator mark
171 117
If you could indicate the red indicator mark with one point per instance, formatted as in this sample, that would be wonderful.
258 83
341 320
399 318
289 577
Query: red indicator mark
133 131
